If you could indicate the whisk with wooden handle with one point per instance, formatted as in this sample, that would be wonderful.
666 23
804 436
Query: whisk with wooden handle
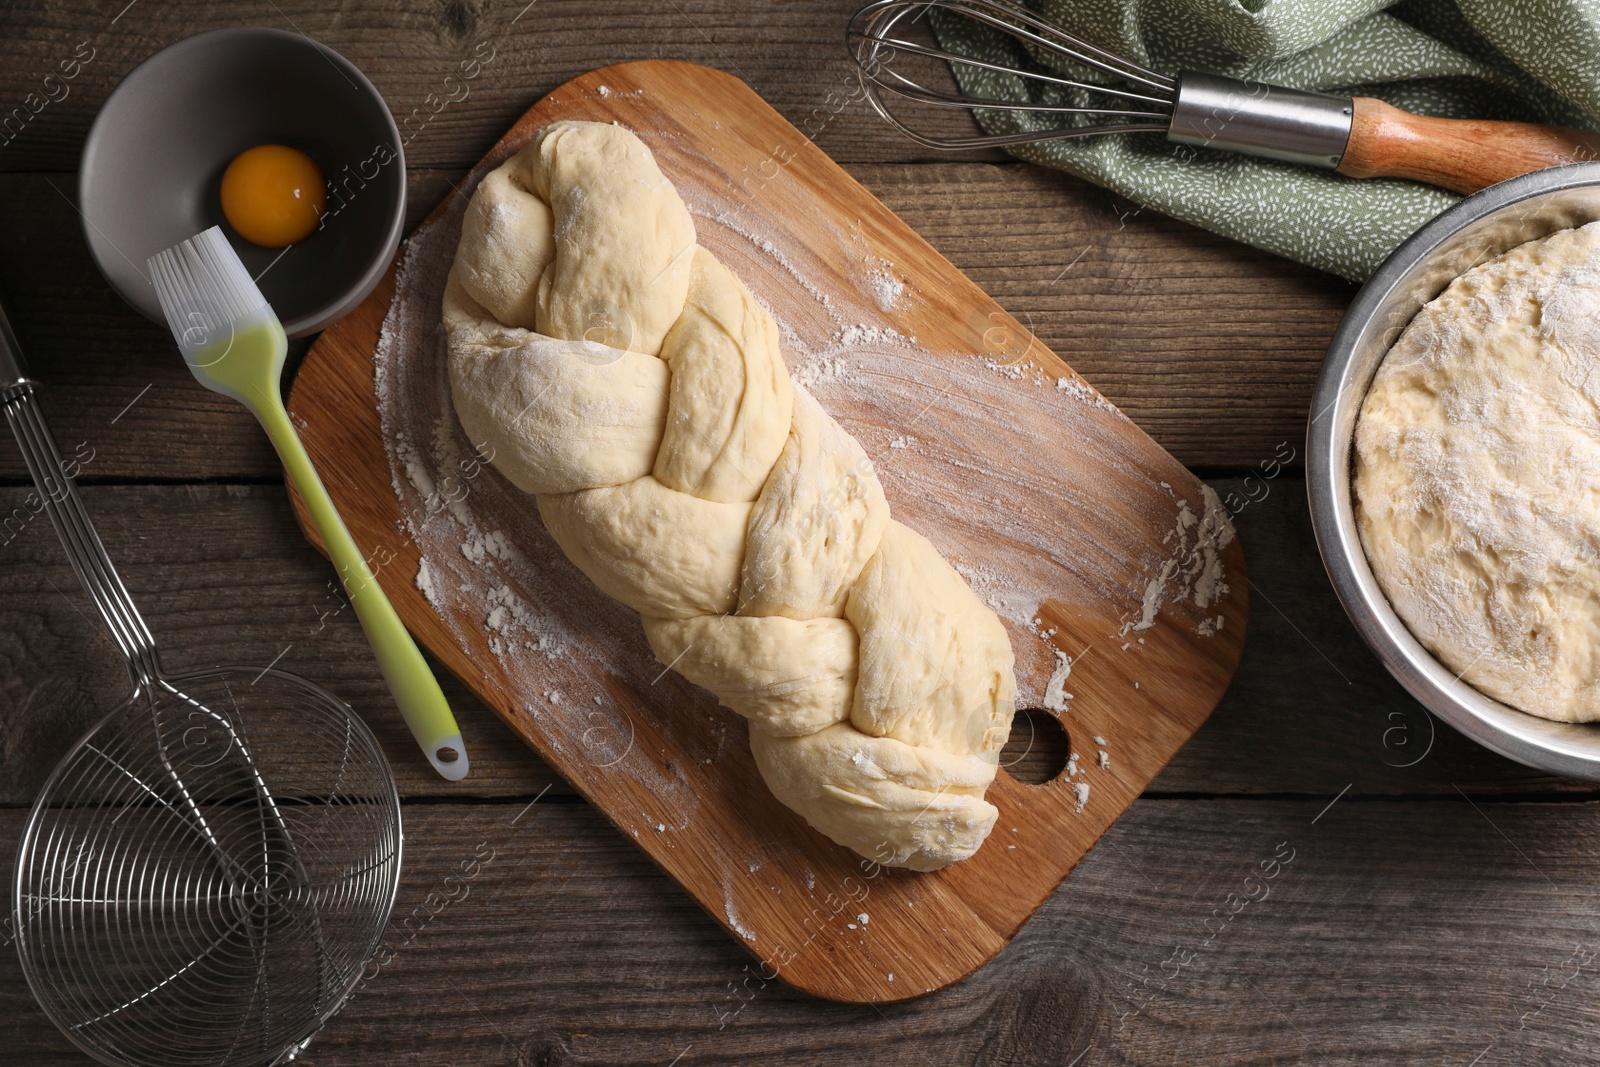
1359 137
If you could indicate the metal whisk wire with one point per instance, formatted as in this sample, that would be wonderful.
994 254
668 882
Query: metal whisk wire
1145 104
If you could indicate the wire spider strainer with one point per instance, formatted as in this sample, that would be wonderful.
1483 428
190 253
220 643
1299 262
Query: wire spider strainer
205 875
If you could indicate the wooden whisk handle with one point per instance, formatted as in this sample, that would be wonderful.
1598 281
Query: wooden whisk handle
1462 155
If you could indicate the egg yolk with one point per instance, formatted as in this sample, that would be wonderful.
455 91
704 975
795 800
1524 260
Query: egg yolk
273 195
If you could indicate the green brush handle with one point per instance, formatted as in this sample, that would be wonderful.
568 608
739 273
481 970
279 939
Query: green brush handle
415 688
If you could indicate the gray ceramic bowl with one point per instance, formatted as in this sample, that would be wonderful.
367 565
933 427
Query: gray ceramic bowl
152 167
1477 229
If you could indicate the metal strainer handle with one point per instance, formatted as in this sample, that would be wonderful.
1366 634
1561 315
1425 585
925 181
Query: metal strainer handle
53 477
58 490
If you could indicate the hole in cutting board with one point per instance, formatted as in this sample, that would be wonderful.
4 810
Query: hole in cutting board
1038 748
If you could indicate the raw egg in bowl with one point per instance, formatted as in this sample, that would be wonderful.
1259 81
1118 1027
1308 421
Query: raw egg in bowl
276 138
273 195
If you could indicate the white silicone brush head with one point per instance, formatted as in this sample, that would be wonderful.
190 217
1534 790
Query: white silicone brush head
205 292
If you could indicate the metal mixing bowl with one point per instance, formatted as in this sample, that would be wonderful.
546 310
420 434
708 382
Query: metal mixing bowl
1477 229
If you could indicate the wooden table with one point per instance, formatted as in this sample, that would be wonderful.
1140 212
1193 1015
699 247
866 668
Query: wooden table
1438 906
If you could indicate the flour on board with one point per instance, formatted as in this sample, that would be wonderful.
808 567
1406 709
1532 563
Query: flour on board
1056 696
863 333
1081 390
818 370
732 915
425 584
1193 570
888 290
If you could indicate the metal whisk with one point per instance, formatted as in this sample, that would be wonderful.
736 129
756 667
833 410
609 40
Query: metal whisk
1142 103
204 876
1359 137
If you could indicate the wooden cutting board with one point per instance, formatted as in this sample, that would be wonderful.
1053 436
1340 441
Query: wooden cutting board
1089 540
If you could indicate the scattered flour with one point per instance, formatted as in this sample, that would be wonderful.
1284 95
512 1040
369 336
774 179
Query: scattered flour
888 290
827 368
425 584
728 217
1056 696
1006 597
1082 391
1017 372
1037 627
1080 793
1194 569
865 334
732 914
480 546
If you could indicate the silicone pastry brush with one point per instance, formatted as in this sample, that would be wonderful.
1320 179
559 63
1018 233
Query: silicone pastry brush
234 345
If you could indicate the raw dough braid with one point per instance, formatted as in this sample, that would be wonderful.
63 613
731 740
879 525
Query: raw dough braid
627 379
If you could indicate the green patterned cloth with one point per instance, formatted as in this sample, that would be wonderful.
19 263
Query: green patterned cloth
1534 60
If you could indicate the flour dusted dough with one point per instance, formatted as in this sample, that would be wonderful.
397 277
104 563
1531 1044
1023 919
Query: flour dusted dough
1477 476
628 379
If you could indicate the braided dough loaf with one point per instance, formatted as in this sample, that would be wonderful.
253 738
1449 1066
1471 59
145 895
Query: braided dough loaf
625 377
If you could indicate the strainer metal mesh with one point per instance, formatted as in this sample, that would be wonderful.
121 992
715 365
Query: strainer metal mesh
203 878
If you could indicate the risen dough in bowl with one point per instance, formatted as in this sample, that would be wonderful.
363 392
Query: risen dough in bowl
1477 476
627 379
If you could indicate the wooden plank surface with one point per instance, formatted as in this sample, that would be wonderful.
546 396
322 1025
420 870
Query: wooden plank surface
1073 466
1248 933
1419 934
517 51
